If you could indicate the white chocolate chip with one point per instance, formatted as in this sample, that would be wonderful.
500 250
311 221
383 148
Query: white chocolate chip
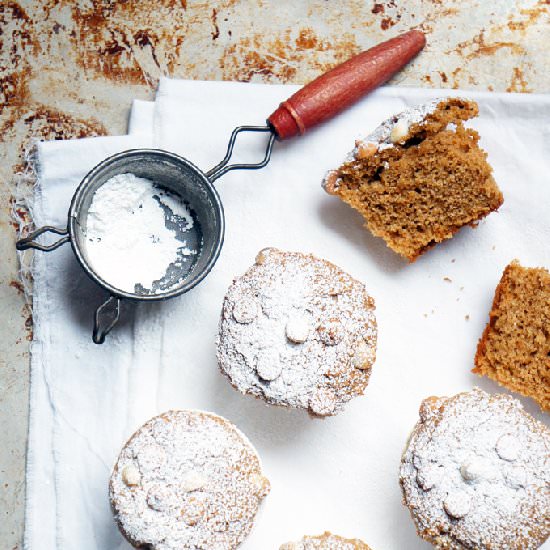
364 149
363 357
130 475
245 310
323 402
193 481
261 484
473 470
516 477
457 504
429 476
150 458
268 366
162 498
263 254
399 131
298 329
507 447
192 511
331 333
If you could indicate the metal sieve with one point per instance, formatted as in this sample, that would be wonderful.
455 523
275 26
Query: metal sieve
318 101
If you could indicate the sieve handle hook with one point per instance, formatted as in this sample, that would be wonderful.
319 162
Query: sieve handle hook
109 309
29 242
223 167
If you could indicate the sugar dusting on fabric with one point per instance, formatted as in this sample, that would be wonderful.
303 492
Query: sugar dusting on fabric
128 240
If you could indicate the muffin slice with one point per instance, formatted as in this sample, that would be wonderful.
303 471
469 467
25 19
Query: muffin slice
514 349
419 177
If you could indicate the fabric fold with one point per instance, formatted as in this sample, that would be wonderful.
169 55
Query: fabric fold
60 165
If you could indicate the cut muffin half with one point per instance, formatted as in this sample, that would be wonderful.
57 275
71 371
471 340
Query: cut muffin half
419 177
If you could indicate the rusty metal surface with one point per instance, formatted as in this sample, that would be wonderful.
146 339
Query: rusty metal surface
70 69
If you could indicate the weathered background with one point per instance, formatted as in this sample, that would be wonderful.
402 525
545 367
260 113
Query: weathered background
71 68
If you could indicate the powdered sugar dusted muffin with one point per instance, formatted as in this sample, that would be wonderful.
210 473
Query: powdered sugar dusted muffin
187 479
326 541
298 331
476 474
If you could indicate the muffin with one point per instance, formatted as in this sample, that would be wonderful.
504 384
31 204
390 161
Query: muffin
514 349
419 177
326 541
297 331
476 474
187 480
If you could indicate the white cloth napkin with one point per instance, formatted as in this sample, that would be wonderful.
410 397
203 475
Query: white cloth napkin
338 474
55 424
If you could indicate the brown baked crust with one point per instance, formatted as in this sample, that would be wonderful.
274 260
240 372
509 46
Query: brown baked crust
419 191
326 541
514 349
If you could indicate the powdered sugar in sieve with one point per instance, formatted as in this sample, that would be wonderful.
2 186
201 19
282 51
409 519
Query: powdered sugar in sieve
140 238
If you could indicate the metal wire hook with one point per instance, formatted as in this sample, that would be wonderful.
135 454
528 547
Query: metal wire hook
223 167
99 332
29 242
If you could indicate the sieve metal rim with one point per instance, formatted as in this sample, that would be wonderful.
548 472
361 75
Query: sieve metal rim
85 188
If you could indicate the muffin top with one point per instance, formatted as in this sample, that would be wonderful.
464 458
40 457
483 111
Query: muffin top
326 541
394 131
187 479
297 331
476 473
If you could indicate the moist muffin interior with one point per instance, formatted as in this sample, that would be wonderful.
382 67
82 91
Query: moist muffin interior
515 347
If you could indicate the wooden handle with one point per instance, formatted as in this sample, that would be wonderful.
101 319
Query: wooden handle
342 86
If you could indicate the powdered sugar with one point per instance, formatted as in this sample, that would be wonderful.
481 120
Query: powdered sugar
128 241
196 483
382 135
476 473
289 332
385 136
327 541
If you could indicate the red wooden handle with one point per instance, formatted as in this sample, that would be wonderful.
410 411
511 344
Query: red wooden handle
331 93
